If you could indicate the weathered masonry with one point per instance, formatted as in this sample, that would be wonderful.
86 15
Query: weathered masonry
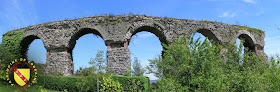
60 37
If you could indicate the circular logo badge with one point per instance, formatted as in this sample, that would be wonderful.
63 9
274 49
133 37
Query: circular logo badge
21 73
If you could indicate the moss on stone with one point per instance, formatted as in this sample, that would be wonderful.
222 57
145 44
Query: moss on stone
145 15
257 31
115 22
67 20
98 23
205 21
236 31
254 30
92 17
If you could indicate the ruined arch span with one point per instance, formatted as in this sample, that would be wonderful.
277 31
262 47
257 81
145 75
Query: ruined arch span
59 37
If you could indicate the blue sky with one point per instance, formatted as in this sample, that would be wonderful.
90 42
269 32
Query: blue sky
261 14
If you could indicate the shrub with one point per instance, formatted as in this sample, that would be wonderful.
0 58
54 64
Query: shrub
10 47
85 71
109 85
191 65
154 86
58 82
133 83
89 83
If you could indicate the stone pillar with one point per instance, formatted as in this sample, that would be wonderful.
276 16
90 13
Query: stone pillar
118 57
223 49
59 61
260 52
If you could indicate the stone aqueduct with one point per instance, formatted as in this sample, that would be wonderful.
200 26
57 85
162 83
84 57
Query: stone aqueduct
59 37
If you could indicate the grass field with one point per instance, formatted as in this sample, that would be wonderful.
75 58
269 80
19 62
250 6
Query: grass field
9 88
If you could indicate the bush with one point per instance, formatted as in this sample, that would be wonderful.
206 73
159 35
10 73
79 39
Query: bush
89 83
109 85
5 58
58 82
191 65
154 86
133 83
11 46
85 72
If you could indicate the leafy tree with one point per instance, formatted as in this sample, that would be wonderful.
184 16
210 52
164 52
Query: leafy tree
99 62
98 65
137 68
192 65
155 66
85 71
128 72
98 70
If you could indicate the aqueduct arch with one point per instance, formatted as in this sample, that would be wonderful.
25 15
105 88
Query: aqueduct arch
248 41
25 44
153 27
79 34
209 34
59 36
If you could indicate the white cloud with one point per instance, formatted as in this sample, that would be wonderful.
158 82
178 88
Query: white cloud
228 14
17 15
145 35
250 1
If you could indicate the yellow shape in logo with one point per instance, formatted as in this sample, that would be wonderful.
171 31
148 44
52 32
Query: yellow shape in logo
22 75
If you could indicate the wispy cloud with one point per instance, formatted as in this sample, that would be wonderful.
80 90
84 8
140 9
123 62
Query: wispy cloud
145 35
15 14
250 1
228 14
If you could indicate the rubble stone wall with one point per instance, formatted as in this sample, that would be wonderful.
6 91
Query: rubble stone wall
59 37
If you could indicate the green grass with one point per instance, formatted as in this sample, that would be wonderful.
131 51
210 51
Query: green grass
9 88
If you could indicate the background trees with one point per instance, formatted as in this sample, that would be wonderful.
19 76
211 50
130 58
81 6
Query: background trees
138 70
